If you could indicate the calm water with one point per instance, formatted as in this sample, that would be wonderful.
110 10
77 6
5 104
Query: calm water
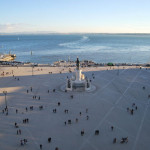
130 48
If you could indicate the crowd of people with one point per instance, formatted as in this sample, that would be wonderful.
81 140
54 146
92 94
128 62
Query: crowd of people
69 121
131 110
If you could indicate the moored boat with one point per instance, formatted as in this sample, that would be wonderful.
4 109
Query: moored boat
7 57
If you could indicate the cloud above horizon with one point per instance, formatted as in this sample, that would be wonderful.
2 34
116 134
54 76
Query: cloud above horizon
16 27
28 28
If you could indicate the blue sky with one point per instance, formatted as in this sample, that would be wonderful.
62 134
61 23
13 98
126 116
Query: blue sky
65 16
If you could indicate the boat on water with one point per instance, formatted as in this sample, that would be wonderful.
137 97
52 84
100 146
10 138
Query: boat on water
7 57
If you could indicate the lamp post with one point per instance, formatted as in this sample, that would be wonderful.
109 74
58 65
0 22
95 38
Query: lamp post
32 69
5 93
118 70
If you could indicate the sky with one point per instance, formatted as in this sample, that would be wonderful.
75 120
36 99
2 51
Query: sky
75 16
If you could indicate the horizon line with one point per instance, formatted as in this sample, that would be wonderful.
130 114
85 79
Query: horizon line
49 32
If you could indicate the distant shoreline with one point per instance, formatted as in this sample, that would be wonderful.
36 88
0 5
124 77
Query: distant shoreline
71 33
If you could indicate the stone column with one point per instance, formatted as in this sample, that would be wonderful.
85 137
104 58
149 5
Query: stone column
78 75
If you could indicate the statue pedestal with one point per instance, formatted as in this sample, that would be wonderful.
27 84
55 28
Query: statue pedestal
78 82
78 74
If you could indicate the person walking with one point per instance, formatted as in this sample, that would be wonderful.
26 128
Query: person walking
41 146
49 139
31 89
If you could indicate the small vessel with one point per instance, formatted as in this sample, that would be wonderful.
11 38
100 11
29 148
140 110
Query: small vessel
7 57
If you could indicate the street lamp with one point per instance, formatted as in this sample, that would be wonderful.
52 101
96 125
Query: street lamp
32 69
5 92
118 70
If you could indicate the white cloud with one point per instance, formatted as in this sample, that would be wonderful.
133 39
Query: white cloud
29 28
17 27
23 28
